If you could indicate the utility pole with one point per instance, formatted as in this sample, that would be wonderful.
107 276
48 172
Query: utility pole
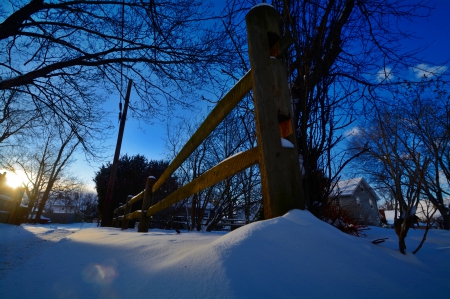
106 216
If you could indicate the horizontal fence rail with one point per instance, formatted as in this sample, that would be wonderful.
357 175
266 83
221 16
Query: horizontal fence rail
223 108
211 177
279 167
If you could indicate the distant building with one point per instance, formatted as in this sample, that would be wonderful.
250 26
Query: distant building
60 208
62 212
358 199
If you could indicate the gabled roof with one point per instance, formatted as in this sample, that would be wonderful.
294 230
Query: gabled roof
349 187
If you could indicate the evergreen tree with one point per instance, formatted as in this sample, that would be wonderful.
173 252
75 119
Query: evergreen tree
132 173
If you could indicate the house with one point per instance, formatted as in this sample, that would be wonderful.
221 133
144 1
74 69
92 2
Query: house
60 208
63 212
358 199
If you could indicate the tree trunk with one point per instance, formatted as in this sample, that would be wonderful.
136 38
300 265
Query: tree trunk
402 237
44 200
446 218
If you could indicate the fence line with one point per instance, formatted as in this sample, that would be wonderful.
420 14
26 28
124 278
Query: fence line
279 166
222 109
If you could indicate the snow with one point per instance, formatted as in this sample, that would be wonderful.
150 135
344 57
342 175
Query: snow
426 209
294 256
261 4
390 215
348 187
232 156
286 143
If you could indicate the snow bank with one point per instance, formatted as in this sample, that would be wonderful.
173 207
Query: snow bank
294 256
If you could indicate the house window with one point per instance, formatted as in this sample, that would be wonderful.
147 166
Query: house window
371 204
358 201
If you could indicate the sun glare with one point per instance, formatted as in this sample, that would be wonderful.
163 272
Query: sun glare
13 180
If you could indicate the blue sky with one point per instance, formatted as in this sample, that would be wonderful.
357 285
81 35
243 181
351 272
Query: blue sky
435 32
147 140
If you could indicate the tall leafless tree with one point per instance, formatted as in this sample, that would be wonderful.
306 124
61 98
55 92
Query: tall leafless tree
43 159
237 196
339 49
406 142
15 118
66 56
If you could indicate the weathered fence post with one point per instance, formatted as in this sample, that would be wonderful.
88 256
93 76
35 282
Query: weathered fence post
146 203
117 216
127 210
279 165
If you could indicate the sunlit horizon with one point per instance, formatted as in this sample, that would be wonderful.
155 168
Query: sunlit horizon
13 180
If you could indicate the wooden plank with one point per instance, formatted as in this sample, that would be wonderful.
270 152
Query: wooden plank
278 49
286 128
279 166
222 109
127 210
137 198
221 171
134 215
144 220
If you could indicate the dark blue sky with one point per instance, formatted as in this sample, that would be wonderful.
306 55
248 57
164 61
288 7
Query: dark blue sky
433 32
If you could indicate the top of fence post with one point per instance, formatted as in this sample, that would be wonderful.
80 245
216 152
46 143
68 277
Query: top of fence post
280 170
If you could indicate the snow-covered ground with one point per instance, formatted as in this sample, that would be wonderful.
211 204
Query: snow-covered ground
294 256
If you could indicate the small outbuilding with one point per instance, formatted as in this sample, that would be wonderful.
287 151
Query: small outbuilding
359 200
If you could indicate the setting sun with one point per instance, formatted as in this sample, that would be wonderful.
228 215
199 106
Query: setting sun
13 180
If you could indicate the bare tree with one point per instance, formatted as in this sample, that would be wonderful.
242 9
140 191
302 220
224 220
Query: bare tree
339 48
43 158
406 141
64 56
236 196
15 118
388 162
429 120
71 193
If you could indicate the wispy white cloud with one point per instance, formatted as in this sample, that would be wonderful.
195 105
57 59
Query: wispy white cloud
424 70
385 74
353 132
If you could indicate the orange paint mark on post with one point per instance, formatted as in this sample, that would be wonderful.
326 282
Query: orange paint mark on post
285 128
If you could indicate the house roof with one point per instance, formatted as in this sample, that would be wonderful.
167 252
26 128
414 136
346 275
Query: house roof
349 187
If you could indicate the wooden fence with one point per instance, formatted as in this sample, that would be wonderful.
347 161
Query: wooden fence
10 200
279 165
